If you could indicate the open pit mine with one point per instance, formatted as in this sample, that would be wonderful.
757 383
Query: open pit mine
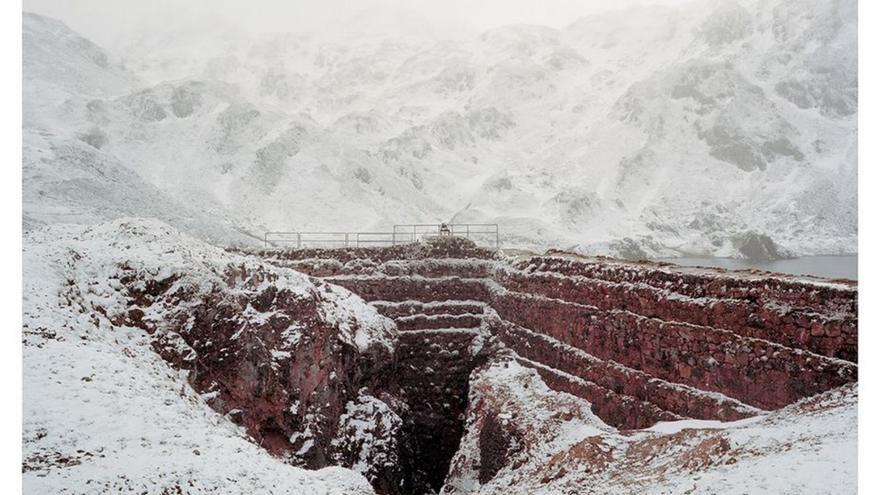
444 367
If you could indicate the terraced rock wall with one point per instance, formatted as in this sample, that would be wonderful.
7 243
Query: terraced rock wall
818 317
643 342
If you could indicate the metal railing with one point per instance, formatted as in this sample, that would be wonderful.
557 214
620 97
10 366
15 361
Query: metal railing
481 233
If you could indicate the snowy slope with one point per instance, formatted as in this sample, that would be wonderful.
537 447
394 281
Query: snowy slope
551 443
651 131
67 176
103 412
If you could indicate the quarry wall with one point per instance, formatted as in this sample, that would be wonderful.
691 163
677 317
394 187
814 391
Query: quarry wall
643 342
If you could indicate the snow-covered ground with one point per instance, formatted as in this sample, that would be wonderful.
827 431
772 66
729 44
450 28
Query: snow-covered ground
103 412
655 131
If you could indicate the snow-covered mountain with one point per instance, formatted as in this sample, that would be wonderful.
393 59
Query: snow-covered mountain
707 128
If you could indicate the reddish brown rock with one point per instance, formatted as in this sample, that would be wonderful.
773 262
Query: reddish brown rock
740 335
285 357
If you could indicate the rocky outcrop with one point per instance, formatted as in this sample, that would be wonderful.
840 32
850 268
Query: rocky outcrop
283 361
627 398
298 363
105 413
756 246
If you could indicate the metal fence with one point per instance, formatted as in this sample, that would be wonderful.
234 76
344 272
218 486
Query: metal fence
481 233
484 234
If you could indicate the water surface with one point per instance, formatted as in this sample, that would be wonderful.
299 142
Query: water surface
820 266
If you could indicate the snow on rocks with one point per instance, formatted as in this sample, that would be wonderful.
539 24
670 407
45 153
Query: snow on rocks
103 306
368 440
514 419
524 438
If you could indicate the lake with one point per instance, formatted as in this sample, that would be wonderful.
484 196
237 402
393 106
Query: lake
820 266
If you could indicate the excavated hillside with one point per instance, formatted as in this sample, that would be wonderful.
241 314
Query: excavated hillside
432 367
642 343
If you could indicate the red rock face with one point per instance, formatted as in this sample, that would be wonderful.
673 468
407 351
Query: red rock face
817 318
622 396
642 342
269 358
753 371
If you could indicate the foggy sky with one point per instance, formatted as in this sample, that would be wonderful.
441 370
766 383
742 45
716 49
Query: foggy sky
112 21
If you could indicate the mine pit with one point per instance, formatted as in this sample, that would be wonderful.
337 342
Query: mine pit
641 342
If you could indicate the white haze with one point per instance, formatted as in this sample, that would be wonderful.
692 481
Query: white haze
716 127
112 21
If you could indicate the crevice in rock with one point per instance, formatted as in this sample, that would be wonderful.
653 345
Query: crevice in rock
434 369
